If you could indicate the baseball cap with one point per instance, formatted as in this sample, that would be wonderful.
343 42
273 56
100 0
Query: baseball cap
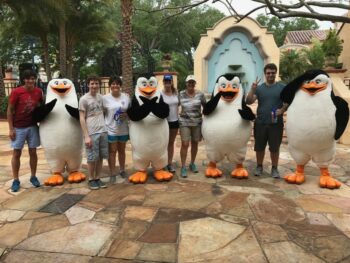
168 77
190 77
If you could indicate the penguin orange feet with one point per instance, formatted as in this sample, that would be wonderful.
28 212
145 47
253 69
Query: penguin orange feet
55 179
76 177
212 171
327 181
240 172
138 178
296 178
162 175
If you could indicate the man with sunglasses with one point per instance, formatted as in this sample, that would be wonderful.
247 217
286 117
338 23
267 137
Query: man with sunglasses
268 126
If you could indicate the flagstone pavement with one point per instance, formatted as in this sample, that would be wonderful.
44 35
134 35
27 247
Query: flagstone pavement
186 220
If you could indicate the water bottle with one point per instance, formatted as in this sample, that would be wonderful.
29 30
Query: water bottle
274 116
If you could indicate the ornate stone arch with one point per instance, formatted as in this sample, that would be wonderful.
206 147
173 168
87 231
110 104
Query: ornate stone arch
241 48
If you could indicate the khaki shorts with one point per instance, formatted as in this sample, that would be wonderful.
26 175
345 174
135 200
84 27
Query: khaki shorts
191 133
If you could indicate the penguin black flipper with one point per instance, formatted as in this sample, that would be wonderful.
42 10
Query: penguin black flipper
42 111
210 106
137 112
246 112
288 93
341 115
74 112
160 109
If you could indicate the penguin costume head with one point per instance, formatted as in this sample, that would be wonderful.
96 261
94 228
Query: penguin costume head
229 86
60 87
312 82
146 87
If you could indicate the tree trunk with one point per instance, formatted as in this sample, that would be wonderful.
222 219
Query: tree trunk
69 70
46 57
126 11
63 47
2 84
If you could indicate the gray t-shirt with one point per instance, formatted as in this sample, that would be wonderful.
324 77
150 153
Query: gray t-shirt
191 113
93 108
268 97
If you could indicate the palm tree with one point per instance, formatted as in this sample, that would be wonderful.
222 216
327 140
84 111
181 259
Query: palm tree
127 43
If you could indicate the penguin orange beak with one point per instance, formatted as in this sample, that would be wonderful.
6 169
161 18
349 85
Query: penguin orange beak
229 93
61 89
312 88
148 91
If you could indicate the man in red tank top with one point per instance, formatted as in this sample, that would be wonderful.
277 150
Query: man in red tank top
22 102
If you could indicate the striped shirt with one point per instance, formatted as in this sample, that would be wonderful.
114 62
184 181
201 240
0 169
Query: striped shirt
191 113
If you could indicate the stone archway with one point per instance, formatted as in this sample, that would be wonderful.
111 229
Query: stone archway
242 48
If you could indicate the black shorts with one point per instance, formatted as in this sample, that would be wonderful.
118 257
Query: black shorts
268 133
173 124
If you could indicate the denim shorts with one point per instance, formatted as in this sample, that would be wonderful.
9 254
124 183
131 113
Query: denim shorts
118 138
29 134
99 149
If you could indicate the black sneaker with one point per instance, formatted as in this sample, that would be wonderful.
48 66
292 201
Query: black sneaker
101 184
170 168
122 174
93 185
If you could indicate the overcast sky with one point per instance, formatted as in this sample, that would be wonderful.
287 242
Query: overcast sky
244 6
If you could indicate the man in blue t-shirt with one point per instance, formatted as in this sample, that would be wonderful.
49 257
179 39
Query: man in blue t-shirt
268 127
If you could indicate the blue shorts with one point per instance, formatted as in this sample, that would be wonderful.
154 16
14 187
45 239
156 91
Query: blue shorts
118 138
99 149
29 134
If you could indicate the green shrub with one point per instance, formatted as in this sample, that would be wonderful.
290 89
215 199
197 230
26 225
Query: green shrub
3 105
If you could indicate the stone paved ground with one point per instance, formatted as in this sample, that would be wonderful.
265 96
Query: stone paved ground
186 220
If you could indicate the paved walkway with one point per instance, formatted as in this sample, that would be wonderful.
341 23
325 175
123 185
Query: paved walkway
186 220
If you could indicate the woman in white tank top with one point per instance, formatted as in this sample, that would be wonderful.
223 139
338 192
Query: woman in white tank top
169 94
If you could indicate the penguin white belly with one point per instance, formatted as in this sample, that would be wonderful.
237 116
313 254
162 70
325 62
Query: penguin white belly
311 123
225 131
149 137
61 138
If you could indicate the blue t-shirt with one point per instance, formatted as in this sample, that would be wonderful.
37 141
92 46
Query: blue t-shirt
268 97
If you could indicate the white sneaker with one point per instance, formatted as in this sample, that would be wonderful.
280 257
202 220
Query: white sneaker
258 171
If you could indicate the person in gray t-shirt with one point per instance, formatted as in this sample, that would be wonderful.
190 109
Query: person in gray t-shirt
95 132
268 127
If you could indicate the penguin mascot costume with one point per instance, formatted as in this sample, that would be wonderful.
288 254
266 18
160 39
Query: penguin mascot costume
149 131
60 132
316 119
226 126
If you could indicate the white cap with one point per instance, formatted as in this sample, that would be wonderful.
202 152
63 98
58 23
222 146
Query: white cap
190 77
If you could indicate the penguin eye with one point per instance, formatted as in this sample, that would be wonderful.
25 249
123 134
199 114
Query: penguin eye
151 83
144 83
65 83
306 81
318 81
223 85
56 82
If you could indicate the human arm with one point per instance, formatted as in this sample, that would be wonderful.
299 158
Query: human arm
87 138
283 109
251 97
10 113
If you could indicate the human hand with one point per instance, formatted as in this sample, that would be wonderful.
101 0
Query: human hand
279 112
12 135
123 116
255 83
88 142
